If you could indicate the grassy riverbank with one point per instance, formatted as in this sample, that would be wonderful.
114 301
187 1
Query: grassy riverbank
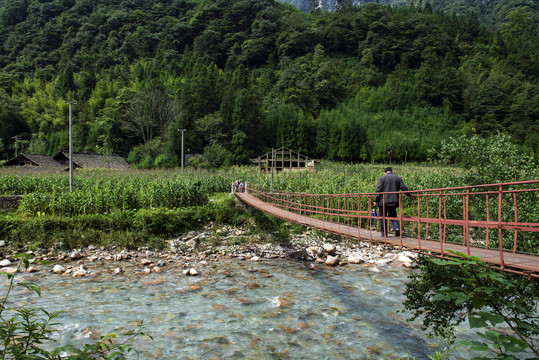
127 229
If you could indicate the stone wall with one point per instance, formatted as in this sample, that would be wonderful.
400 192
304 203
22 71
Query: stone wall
10 202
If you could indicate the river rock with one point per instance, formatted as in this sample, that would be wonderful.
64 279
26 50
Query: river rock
332 260
330 249
283 303
58 269
410 254
355 259
255 258
192 243
157 269
404 259
32 269
80 272
5 263
190 272
94 274
2 243
11 270
91 334
147 270
314 251
117 271
145 262
383 262
75 255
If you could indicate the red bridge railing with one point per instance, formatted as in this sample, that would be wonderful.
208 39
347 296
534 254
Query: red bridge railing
504 216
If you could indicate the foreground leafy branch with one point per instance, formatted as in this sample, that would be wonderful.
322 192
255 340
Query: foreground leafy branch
447 292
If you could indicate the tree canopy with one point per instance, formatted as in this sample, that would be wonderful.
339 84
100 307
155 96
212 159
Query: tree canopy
368 83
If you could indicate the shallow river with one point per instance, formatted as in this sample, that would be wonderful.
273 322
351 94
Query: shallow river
271 309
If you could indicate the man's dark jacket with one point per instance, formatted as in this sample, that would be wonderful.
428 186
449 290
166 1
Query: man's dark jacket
389 183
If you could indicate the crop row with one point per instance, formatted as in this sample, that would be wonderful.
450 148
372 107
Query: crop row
115 194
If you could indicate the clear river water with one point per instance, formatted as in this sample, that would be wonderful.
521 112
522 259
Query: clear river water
272 309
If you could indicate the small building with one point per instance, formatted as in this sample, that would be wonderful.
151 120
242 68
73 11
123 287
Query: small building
25 159
92 161
284 159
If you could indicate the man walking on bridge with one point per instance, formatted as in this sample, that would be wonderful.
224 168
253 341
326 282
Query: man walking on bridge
387 199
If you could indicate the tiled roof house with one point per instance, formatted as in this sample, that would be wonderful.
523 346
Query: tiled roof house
92 161
25 159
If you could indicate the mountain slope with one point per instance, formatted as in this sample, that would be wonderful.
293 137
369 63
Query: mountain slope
372 83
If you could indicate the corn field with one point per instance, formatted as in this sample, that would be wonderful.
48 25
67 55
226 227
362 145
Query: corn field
102 194
103 191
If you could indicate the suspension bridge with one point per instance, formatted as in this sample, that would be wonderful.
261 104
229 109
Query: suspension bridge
497 222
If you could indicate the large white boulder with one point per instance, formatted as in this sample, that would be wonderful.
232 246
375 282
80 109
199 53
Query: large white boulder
58 269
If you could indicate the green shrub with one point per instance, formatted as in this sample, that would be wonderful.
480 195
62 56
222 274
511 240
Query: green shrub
216 156
167 160
445 293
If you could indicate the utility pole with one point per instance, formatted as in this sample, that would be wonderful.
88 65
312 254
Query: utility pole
16 138
71 103
182 130
272 162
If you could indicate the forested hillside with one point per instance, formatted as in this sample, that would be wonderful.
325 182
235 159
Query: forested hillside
490 12
369 83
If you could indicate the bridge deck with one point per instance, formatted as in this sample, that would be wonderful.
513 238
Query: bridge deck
519 261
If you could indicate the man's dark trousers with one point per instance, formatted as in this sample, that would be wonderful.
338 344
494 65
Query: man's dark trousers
391 211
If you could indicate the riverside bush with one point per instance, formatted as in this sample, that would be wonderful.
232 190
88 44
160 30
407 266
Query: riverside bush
445 293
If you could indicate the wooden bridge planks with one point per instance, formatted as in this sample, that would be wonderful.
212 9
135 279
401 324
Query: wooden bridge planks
527 263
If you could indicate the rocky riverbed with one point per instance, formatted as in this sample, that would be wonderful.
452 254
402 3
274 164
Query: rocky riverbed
194 250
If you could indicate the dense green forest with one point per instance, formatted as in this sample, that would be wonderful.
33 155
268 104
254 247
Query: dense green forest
369 83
